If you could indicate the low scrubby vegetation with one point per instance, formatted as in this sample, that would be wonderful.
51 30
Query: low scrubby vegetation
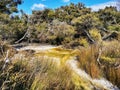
42 70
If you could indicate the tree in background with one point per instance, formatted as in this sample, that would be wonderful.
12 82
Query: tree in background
10 25
85 23
110 18
9 6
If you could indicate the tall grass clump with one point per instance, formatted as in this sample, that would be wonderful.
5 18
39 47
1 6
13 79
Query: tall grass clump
15 75
110 59
87 58
108 65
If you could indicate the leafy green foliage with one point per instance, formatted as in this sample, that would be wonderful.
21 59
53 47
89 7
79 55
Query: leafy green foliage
64 25
109 16
86 22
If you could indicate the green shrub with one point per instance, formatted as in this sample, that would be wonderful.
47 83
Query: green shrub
95 34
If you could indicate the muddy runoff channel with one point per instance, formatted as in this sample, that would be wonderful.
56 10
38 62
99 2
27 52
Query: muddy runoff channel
68 57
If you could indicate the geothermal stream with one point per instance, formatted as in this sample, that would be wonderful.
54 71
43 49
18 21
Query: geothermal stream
72 63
